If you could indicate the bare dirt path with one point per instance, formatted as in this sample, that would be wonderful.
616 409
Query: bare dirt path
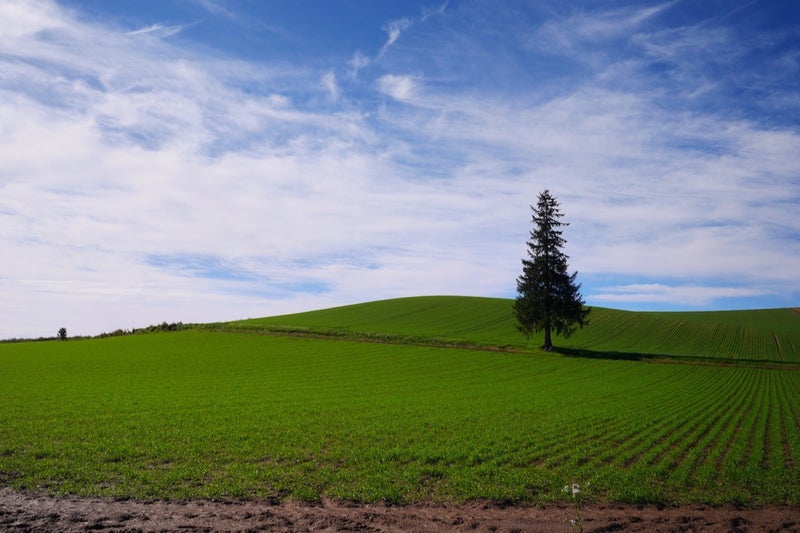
29 512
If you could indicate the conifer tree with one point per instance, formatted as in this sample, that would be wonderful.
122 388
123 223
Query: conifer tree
548 297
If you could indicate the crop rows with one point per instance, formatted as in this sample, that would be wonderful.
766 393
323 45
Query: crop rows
200 414
760 335
764 335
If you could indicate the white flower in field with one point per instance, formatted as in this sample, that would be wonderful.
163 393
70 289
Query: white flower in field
566 489
576 489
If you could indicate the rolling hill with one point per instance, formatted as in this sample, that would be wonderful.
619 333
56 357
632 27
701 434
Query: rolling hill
764 335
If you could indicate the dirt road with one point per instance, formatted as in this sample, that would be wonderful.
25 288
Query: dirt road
29 512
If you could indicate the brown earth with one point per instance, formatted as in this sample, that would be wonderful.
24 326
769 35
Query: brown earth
30 512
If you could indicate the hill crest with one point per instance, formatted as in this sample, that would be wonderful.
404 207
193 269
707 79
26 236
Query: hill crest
763 335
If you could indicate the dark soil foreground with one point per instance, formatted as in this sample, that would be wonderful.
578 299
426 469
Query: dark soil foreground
29 512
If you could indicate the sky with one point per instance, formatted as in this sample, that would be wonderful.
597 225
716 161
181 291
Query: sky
211 160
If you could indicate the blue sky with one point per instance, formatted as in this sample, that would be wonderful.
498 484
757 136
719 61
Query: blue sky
204 160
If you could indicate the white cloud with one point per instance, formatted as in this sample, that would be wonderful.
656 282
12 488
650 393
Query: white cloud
20 19
612 23
428 12
398 87
582 35
216 8
159 29
666 294
357 62
329 82
393 30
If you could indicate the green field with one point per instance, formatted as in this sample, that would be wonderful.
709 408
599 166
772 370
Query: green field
323 412
757 335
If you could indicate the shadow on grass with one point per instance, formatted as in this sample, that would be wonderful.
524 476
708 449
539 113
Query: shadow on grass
681 359
619 356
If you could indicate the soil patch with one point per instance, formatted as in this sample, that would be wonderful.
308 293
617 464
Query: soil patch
30 512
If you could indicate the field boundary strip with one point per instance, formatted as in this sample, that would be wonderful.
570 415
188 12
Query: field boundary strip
437 342
371 337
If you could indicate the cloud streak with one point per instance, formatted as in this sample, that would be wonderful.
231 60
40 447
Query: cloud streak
681 295
393 30
160 29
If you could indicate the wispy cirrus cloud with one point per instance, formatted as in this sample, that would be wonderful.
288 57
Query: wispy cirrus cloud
578 34
217 8
160 29
677 295
428 12
393 30
357 62
331 86
607 24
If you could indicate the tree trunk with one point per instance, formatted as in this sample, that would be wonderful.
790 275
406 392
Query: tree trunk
548 342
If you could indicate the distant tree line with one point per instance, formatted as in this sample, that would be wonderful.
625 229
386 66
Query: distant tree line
172 326
153 328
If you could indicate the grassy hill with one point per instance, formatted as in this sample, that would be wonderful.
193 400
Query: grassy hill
771 335
459 319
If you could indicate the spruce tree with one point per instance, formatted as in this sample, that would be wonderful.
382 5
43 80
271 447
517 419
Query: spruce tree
548 297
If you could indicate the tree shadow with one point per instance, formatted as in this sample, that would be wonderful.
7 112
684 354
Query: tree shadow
683 359
606 354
